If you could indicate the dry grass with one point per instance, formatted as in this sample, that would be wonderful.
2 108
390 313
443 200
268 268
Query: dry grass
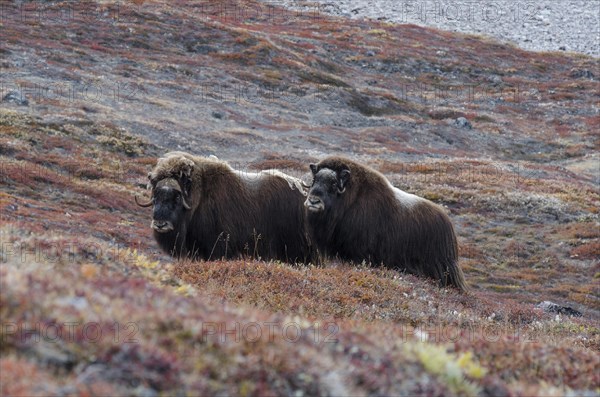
77 254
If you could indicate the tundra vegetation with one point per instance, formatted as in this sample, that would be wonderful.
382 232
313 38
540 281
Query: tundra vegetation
90 305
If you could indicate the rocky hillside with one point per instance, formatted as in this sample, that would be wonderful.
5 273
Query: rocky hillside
504 139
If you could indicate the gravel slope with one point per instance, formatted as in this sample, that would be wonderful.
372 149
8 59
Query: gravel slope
547 25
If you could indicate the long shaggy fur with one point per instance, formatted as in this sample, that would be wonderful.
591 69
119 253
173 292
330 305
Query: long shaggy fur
234 213
374 222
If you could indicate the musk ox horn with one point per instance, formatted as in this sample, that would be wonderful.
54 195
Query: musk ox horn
185 204
148 204
343 180
184 194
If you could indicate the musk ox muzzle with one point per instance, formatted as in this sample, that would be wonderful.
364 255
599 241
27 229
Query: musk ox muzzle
161 226
314 204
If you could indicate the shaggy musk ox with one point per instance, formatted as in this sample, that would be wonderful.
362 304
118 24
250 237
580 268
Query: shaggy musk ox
204 209
354 212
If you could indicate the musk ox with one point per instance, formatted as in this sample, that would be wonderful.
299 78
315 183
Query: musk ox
355 213
204 209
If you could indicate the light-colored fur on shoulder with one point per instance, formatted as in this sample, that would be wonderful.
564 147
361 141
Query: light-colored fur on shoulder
293 182
405 199
173 165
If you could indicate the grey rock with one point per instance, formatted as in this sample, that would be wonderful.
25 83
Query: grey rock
16 97
462 122
51 351
77 302
202 49
496 80
551 307
142 391
582 74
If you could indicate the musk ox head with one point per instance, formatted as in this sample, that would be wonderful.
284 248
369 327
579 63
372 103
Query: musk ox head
170 205
327 187
170 182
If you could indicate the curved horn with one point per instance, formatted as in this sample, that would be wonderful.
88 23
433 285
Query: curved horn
184 193
343 180
148 204
185 204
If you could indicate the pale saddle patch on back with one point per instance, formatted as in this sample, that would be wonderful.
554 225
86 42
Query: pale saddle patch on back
293 182
407 200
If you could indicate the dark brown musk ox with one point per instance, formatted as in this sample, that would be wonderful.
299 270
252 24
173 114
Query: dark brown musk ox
204 209
355 213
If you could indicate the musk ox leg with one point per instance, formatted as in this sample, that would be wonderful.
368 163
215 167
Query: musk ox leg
454 276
